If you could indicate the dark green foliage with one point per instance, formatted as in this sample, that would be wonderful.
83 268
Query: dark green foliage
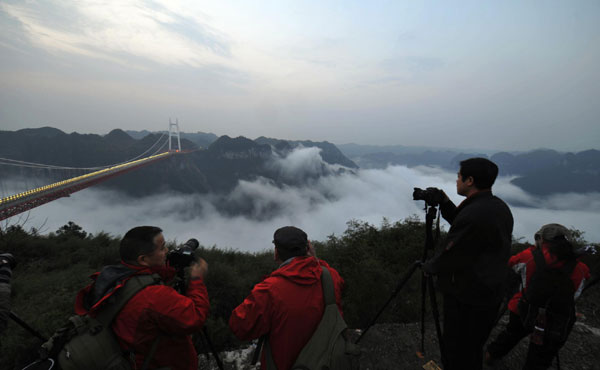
372 260
71 229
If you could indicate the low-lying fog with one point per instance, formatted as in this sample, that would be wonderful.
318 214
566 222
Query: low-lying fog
321 208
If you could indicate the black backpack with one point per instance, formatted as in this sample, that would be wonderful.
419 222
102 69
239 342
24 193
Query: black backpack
552 290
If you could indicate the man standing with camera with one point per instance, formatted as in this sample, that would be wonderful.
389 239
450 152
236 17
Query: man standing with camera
157 322
471 266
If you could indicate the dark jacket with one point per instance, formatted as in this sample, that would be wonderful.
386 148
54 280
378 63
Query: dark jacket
5 275
287 305
472 263
156 310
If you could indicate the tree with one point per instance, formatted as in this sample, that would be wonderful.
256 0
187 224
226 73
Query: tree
71 229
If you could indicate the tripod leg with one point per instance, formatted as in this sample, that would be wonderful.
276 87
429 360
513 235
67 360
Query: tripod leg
25 326
258 350
404 280
436 318
200 341
212 349
423 311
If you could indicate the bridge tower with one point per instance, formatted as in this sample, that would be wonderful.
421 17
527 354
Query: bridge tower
174 131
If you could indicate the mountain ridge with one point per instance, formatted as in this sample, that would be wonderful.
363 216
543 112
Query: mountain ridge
215 169
539 172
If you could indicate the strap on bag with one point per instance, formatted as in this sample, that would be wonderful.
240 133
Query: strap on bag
151 353
136 283
328 298
328 289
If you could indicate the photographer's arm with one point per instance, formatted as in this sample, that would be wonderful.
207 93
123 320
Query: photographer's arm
179 314
457 252
252 318
448 209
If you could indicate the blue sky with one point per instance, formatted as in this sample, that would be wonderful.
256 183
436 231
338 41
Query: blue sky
493 75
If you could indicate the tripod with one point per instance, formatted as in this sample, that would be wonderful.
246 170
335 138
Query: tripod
426 283
203 337
26 326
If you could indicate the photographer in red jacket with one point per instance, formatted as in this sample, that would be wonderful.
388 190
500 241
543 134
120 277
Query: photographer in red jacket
553 241
288 305
156 311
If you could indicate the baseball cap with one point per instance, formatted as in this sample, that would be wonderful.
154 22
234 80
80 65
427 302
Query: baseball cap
290 238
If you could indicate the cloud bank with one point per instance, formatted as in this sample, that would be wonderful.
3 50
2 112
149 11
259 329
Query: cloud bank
112 30
322 206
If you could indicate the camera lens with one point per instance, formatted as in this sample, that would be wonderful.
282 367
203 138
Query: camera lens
192 244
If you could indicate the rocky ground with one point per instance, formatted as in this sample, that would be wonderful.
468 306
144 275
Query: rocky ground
395 346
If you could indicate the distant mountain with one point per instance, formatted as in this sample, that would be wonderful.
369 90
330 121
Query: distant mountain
354 150
216 169
410 159
201 139
539 172
51 146
545 172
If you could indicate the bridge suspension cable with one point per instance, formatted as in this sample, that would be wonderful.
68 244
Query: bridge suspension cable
26 200
18 203
14 162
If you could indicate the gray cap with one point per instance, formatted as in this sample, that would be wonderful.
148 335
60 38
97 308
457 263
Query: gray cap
552 231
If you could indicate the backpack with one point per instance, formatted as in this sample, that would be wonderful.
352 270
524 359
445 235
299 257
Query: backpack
551 292
89 342
328 348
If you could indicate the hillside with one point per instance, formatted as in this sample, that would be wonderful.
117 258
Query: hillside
216 169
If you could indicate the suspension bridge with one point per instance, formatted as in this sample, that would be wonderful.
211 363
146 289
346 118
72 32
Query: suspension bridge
21 202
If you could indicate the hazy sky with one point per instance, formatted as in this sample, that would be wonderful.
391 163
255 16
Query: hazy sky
499 75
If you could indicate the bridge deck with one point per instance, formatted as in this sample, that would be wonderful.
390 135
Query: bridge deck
15 204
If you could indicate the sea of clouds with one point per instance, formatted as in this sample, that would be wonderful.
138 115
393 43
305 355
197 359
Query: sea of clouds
322 206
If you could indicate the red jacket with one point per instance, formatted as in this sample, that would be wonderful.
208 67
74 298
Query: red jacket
155 310
524 264
288 306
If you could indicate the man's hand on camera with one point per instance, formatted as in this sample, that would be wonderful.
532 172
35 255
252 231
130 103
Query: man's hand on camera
8 259
440 196
445 197
198 269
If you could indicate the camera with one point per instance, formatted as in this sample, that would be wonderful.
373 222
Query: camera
183 256
432 196
8 259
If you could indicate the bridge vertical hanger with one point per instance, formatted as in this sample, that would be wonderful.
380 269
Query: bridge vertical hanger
172 127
